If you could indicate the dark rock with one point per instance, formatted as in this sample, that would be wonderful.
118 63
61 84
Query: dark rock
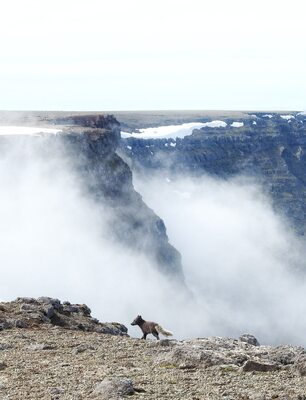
20 324
5 346
3 365
84 309
250 339
71 309
55 303
250 366
49 311
5 325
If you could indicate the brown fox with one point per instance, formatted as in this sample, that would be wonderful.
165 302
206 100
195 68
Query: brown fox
150 327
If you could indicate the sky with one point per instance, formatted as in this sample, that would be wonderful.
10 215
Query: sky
142 55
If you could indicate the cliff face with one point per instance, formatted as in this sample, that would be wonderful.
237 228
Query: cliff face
109 180
272 150
89 143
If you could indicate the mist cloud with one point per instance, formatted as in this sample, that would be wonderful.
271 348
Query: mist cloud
56 241
242 264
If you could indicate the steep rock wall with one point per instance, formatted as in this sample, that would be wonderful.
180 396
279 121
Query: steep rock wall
273 151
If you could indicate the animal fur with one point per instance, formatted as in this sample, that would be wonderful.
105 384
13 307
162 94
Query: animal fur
148 327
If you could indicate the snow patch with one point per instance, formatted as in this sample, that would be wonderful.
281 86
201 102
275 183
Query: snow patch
254 123
237 124
129 147
299 152
172 144
287 117
267 116
215 124
27 130
172 131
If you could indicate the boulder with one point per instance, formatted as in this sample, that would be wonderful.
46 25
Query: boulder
189 357
250 339
285 354
251 366
114 388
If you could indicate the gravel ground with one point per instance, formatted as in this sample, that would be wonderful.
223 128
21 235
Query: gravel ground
53 363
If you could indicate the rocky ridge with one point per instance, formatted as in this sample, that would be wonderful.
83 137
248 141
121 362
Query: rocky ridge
57 353
27 312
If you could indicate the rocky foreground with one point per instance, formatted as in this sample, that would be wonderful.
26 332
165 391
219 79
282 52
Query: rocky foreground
54 350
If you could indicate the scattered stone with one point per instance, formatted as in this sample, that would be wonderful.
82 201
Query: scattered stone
300 365
114 388
5 346
28 307
26 300
251 365
20 324
285 354
40 346
83 347
166 342
250 339
2 366
5 325
56 390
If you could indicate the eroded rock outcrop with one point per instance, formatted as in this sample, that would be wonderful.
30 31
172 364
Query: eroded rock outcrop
230 354
27 312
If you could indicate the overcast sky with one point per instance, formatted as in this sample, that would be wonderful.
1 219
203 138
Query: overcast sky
143 54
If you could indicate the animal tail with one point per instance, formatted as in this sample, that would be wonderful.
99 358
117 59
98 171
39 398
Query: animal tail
163 331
